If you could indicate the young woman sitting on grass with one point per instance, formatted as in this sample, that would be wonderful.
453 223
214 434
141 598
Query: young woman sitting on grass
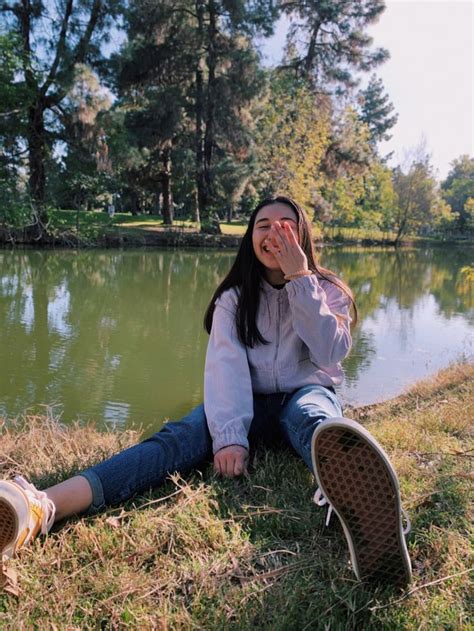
279 325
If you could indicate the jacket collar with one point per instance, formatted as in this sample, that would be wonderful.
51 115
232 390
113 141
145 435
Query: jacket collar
269 289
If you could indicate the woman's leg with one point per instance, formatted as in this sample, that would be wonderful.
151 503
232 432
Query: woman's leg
355 478
302 413
178 446
71 497
25 510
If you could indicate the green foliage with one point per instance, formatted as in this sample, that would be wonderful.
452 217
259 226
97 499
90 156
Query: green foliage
13 93
347 160
378 201
327 43
377 111
293 135
197 126
15 212
53 38
458 191
416 196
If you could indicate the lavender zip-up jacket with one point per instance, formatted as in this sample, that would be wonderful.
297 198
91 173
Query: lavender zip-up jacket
307 342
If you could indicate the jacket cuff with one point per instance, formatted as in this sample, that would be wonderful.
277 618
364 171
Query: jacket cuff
303 284
228 438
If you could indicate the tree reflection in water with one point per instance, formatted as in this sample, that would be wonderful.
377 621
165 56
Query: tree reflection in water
118 335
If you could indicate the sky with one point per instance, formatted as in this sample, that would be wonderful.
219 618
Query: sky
429 76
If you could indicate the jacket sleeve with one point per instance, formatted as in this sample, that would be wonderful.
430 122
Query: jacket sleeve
228 398
314 311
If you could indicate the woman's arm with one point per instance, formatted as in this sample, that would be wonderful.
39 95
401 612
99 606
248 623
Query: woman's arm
228 399
321 319
320 316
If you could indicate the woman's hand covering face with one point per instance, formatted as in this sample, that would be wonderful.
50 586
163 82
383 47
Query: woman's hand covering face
283 244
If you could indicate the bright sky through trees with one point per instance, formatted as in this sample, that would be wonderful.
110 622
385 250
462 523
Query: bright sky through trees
429 76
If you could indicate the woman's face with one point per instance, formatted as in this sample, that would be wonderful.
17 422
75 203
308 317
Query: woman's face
266 217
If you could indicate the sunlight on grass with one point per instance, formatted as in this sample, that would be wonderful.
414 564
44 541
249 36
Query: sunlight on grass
207 553
98 220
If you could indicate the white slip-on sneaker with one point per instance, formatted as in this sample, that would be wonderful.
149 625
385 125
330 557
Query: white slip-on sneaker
359 484
24 512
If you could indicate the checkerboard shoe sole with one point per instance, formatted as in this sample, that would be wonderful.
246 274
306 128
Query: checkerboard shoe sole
24 512
357 480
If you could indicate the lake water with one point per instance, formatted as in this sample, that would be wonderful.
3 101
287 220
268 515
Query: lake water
117 336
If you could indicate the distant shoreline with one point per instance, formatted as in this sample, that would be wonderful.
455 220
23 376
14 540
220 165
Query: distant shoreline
137 237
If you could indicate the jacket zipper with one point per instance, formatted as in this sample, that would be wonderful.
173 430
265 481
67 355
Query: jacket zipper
277 345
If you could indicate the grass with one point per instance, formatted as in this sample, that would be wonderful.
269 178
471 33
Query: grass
93 223
206 553
94 227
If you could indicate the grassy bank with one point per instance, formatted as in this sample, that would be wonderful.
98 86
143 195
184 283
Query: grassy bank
206 553
69 228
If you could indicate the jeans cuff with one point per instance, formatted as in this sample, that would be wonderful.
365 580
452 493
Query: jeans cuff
98 499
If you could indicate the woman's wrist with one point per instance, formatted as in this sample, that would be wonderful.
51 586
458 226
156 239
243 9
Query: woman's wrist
298 274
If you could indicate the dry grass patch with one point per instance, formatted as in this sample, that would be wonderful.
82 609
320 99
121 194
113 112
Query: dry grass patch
204 553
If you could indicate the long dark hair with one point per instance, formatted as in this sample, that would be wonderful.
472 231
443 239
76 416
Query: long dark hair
247 273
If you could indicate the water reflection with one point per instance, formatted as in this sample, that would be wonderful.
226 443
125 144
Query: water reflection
117 336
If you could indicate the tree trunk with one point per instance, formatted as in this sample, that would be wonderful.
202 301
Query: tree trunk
311 54
166 184
211 97
36 153
201 195
402 227
36 158
35 134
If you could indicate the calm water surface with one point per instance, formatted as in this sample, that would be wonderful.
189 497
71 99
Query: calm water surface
117 336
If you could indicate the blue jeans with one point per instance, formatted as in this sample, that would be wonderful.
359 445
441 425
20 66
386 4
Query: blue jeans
183 445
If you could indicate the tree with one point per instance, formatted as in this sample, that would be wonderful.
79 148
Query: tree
188 77
416 194
458 190
12 94
155 70
229 66
55 37
376 207
347 159
327 42
376 111
84 172
292 137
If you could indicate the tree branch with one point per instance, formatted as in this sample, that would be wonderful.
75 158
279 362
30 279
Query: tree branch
80 53
60 48
85 39
4 7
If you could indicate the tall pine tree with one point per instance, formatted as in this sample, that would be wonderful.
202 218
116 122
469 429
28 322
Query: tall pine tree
327 42
377 111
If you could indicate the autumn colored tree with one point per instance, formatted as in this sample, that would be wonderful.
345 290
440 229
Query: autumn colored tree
292 138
